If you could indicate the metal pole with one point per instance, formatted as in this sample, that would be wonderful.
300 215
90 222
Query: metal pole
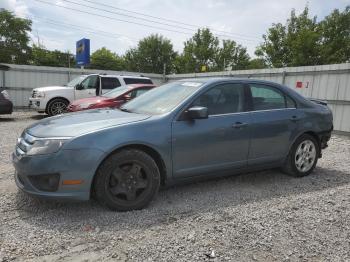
284 77
164 72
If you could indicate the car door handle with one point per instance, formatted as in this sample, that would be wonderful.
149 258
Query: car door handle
294 118
239 125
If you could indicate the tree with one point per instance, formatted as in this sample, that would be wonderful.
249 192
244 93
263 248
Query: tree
43 57
295 44
14 39
232 56
257 63
151 55
200 50
107 60
335 31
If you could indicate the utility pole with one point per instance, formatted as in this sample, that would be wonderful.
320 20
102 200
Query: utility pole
164 71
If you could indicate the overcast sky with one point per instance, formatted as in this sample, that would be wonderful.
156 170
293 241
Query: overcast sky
241 20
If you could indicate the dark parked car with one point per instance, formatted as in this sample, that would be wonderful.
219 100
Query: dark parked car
175 132
6 106
112 99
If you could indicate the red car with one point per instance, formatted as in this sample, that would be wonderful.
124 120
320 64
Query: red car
114 98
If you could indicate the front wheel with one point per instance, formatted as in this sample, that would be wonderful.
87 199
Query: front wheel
127 180
302 157
57 106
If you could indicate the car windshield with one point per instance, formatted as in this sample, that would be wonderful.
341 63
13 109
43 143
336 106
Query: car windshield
162 99
116 92
76 81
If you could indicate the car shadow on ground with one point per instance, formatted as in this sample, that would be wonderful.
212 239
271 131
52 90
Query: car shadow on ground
39 117
179 202
6 119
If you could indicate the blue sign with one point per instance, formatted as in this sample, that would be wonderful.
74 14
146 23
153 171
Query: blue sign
83 52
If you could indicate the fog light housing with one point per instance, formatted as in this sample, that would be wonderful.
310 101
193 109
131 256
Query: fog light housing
47 182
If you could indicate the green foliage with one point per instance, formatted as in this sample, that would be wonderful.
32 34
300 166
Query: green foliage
44 57
300 41
150 55
14 39
303 41
200 50
204 49
257 63
335 42
106 59
231 56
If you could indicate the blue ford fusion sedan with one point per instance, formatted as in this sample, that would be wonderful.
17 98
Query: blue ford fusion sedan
178 131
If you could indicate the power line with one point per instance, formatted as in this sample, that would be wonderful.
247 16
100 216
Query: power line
170 20
120 20
147 20
112 18
86 29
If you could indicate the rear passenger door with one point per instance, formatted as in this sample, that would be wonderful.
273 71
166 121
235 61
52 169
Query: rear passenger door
274 120
109 83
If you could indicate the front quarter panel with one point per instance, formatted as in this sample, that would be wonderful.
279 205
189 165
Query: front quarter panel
154 132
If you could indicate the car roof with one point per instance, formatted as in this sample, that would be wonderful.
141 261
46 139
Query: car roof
133 86
209 80
124 76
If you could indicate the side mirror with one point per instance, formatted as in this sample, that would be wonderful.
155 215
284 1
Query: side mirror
79 87
197 112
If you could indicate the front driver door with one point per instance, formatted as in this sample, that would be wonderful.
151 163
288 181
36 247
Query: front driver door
88 87
218 143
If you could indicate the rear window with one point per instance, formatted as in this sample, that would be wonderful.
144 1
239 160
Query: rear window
130 81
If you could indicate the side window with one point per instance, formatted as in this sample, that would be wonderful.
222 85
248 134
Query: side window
266 97
141 91
222 99
130 81
109 82
138 92
91 82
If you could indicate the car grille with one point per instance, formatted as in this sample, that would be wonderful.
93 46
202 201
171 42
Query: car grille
23 144
34 93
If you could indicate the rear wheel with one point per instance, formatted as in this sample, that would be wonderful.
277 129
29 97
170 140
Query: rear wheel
302 157
57 106
127 180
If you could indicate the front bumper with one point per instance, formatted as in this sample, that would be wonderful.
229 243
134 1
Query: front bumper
67 164
6 107
37 103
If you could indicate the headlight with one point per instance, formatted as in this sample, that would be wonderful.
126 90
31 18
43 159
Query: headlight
42 147
5 94
86 105
40 94
29 145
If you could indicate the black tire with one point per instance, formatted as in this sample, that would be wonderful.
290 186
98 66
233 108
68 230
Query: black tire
127 180
291 167
57 106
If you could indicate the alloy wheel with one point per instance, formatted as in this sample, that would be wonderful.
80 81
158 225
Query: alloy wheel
58 107
305 156
128 182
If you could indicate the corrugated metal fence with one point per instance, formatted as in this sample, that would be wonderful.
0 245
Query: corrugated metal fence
328 82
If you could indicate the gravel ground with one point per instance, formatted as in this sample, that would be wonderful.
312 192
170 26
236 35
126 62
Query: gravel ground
262 216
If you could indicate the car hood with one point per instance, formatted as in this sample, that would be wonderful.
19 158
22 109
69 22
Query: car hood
95 99
75 124
52 88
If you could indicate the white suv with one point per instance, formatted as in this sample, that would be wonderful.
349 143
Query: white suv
53 100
